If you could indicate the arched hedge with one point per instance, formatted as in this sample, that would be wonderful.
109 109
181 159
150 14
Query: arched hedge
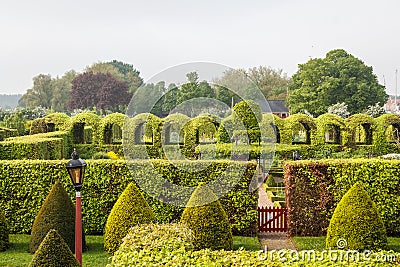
293 121
271 128
172 123
330 124
355 124
382 124
84 127
111 127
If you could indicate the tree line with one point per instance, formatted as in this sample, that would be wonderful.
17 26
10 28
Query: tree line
109 86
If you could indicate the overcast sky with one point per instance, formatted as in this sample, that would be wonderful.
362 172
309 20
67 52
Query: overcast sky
54 36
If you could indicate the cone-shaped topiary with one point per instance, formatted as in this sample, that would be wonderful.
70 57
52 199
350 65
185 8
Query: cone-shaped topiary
356 223
53 252
57 212
4 234
130 209
209 223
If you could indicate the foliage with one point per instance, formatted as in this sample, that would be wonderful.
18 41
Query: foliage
249 113
375 110
332 125
53 252
356 220
98 90
60 120
4 233
54 145
105 131
271 82
26 184
41 93
313 189
6 133
15 121
208 223
18 255
57 212
130 209
338 78
359 125
295 123
339 109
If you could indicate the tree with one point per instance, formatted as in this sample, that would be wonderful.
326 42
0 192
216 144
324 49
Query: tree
130 209
100 90
57 212
356 223
53 252
61 89
120 71
339 77
339 109
40 94
272 83
209 223
375 110
17 121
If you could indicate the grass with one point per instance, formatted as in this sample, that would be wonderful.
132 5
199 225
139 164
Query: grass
248 243
18 255
318 243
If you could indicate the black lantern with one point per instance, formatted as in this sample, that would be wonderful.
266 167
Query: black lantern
76 170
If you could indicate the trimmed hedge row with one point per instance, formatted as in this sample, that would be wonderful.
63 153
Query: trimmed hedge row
172 245
25 184
53 145
313 189
6 133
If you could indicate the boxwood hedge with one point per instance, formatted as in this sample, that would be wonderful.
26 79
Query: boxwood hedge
24 185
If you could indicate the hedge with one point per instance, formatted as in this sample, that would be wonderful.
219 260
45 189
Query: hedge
313 189
25 184
53 145
6 133
171 245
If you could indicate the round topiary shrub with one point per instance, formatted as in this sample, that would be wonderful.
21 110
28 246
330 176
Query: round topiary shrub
209 223
356 223
53 252
4 234
130 209
57 212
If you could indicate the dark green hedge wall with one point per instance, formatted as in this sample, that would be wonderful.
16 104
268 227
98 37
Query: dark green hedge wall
25 184
313 190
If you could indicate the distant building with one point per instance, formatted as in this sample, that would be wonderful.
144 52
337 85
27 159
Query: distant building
277 107
391 106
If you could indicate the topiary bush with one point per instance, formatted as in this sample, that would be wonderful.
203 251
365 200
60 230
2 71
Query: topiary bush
57 212
208 223
130 209
4 233
356 220
53 252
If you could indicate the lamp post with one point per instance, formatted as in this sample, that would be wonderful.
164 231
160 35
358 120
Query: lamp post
76 170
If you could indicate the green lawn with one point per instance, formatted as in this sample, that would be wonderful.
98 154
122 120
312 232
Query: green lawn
318 243
18 255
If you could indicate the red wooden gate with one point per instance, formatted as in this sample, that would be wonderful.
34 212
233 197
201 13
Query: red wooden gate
272 219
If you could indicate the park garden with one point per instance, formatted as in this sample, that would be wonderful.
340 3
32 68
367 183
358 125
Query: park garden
342 195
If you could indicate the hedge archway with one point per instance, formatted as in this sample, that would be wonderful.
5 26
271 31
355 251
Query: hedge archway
144 129
359 127
331 128
386 124
173 129
271 128
84 127
111 127
295 123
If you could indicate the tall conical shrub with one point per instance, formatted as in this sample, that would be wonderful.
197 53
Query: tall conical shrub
209 223
356 223
4 233
53 252
57 212
130 209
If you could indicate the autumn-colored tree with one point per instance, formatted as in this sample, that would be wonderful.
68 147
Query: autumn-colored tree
100 90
